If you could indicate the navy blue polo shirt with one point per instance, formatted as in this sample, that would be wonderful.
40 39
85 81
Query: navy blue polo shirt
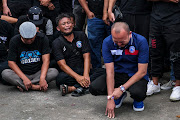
126 59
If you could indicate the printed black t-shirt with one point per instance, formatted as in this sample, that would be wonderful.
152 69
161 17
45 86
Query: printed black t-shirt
6 32
28 56
71 52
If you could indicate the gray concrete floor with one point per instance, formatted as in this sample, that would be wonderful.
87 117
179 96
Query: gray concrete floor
50 105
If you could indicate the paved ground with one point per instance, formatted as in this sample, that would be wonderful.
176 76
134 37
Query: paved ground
33 105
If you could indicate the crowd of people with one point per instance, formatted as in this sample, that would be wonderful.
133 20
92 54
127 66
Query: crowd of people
44 40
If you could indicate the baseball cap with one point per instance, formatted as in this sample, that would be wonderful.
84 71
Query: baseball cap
35 15
27 30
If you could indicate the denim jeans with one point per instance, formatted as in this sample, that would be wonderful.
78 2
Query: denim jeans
97 31
172 77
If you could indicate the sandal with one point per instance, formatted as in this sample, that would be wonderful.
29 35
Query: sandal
80 91
63 89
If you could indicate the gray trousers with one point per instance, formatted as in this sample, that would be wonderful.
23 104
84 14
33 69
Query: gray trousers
11 77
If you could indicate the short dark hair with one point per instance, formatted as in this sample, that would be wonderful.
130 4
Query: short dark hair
61 16
72 15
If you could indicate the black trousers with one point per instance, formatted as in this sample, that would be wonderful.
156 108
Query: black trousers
162 41
137 90
64 78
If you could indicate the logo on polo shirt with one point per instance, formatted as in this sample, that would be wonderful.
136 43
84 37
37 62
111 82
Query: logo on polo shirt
131 49
79 44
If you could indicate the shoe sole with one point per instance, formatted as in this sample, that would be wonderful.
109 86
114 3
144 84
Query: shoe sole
138 109
167 88
174 100
120 103
153 93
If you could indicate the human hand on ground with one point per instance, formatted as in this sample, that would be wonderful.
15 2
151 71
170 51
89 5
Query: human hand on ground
110 109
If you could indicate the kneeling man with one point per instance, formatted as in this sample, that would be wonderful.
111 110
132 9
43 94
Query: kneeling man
126 56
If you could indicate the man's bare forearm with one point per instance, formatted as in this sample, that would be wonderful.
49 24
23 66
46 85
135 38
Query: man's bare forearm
84 6
87 58
110 77
111 5
45 65
64 67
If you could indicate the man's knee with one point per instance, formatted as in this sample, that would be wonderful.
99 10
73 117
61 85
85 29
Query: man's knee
60 79
6 73
97 90
138 94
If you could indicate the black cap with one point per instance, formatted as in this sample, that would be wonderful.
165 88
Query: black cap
35 15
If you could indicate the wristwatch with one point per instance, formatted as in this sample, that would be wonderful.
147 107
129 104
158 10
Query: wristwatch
122 88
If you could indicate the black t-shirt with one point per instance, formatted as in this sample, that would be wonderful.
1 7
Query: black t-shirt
28 56
71 52
96 6
17 1
6 32
135 6
166 12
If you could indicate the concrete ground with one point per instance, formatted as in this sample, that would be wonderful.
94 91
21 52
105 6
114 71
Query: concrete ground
50 105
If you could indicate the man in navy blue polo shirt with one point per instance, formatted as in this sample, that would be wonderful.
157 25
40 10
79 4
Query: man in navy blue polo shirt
126 56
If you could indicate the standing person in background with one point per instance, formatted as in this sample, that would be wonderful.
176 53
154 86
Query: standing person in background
66 6
164 37
16 8
136 13
80 15
96 28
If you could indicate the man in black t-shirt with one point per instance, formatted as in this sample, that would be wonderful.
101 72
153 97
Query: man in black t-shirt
16 8
6 33
28 58
136 13
72 53
96 28
164 41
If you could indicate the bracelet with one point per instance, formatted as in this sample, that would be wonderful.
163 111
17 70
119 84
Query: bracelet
108 97
122 88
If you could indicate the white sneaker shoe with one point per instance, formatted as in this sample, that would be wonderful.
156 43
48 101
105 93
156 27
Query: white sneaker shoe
152 88
168 85
175 95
